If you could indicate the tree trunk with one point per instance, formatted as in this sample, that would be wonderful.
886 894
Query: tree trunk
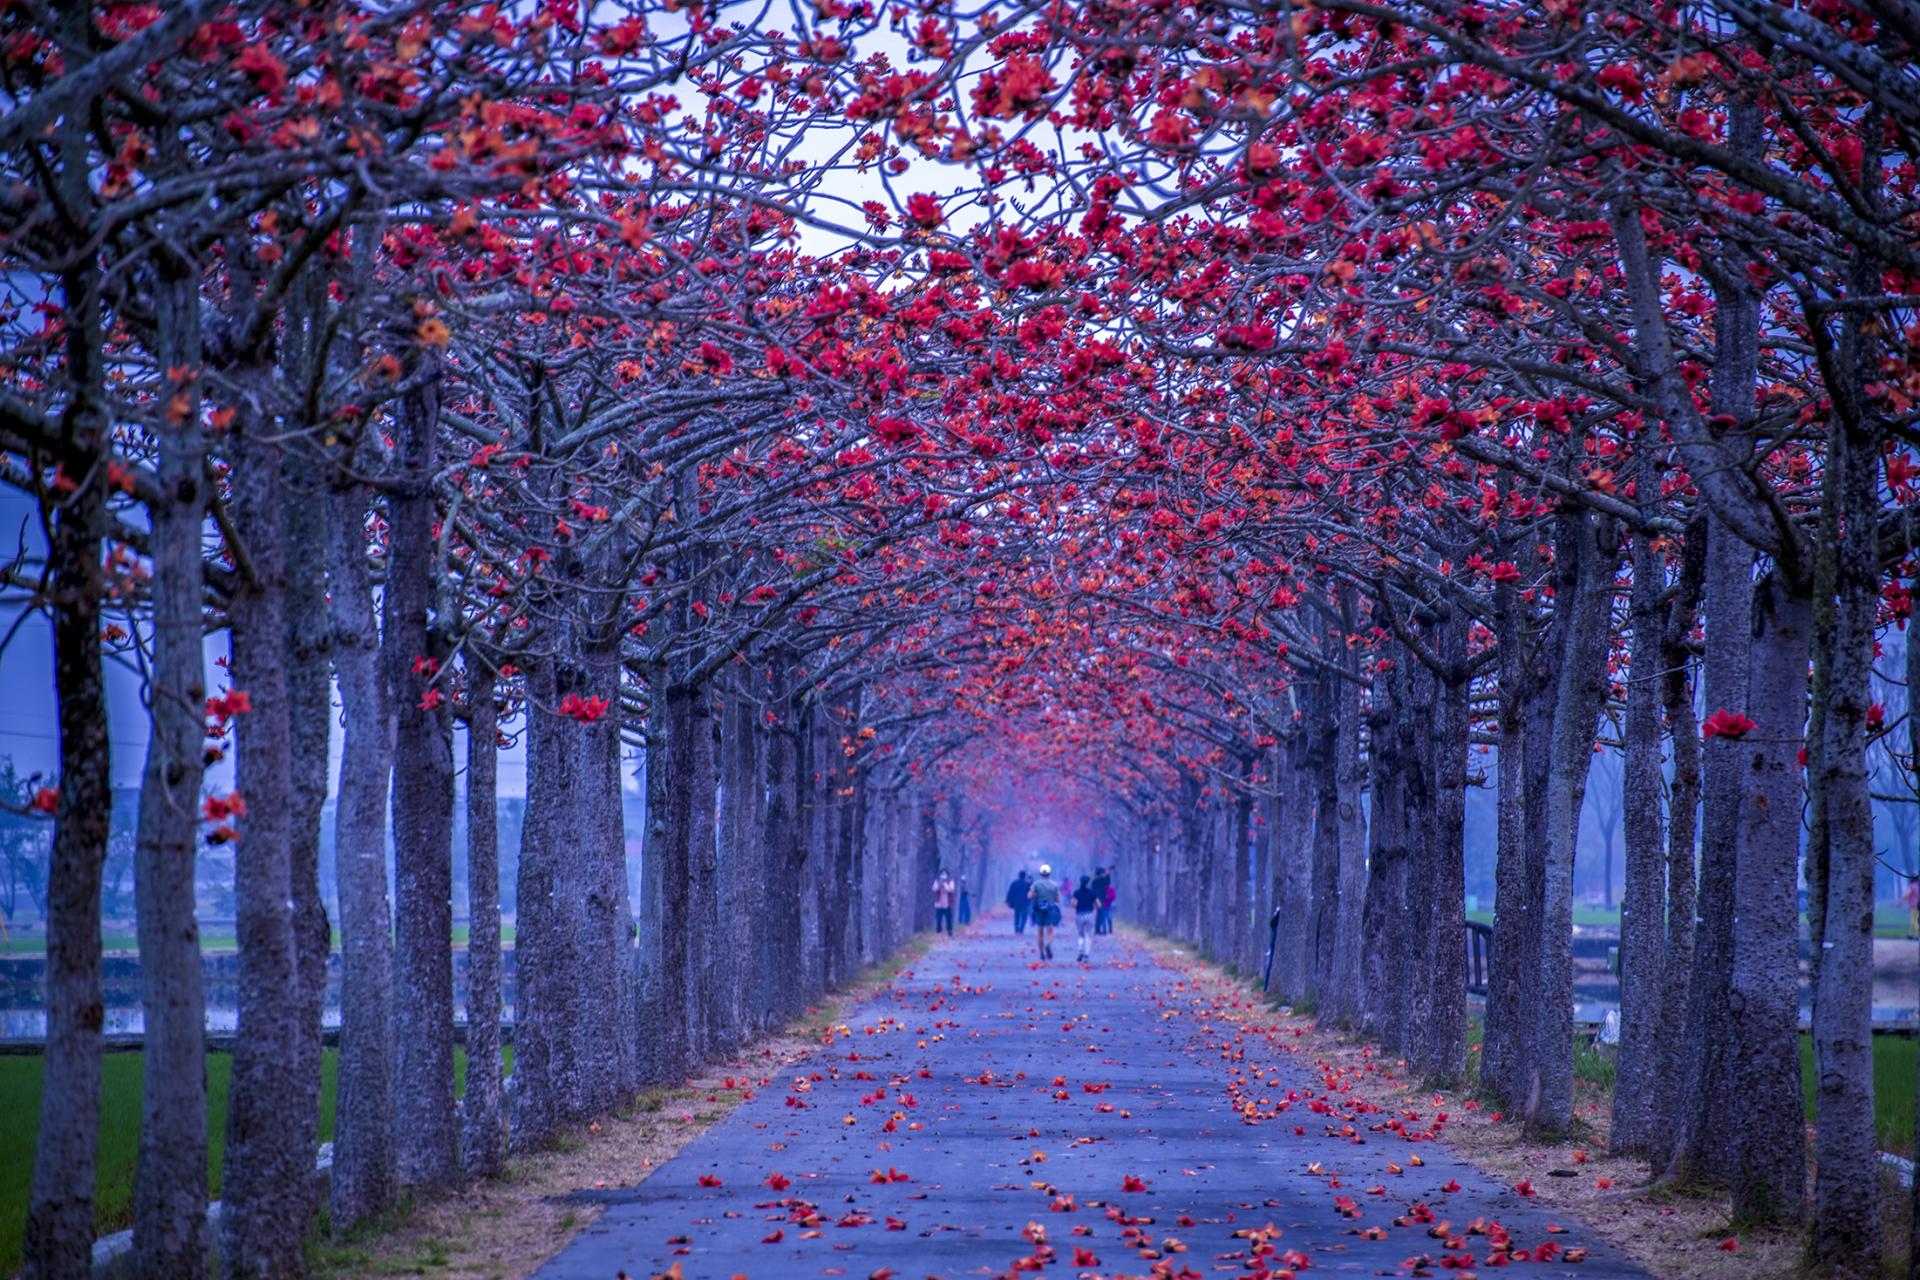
1239 926
1683 731
269 1171
659 1046
546 992
1293 872
1846 1234
1702 1124
484 1141
1643 921
1503 1051
1582 601
1913 748
427 1135
1765 977
1414 918
308 642
1445 895
170 1237
780 907
1384 966
703 880
362 1179
605 1042
1350 780
1324 929
1770 1145
816 782
1265 850
746 867
59 1228
684 799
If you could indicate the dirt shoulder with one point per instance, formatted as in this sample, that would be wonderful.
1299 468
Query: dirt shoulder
503 1229
1674 1236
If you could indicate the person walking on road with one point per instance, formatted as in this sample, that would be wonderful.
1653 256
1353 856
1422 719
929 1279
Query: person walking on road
1084 902
966 903
1045 895
1017 899
943 895
1103 900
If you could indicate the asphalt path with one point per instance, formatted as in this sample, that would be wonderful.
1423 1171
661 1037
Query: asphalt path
990 1115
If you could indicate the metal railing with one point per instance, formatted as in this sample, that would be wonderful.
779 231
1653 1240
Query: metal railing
1479 956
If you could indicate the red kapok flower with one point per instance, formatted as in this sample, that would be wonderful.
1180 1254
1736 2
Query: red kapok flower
1726 724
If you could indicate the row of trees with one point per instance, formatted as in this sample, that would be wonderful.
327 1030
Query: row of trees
1270 427
1597 315
396 348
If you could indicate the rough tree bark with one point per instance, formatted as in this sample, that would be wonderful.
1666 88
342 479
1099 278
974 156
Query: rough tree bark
1769 1143
688 820
606 1041
1846 1235
268 1174
1701 1126
1350 775
815 777
426 1129
1293 884
1413 919
170 1237
309 641
746 862
659 1049
362 1180
1323 785
1913 748
703 876
59 1228
1445 1035
1683 731
1383 964
1584 561
780 902
1239 921
483 1107
1503 1054
1643 903
548 1072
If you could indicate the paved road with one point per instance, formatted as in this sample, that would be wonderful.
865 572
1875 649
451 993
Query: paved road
989 1116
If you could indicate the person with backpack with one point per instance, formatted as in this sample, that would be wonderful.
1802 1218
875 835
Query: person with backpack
1017 899
1085 900
1045 896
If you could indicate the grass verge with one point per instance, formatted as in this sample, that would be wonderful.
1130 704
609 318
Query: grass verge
20 1085
34 941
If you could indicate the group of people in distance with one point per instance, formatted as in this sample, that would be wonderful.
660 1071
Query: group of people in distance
1038 900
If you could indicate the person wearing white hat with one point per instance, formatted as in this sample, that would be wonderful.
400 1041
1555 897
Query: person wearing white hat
1046 909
